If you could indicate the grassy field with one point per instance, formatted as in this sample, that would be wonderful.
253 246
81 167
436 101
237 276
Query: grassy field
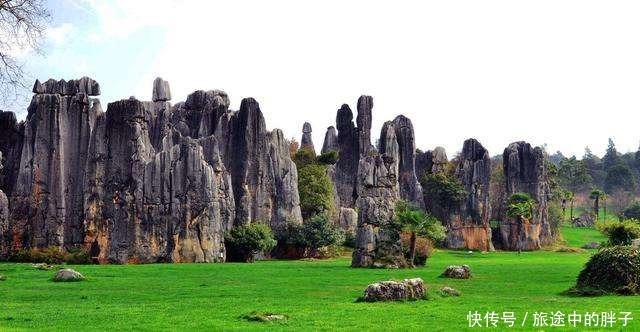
314 294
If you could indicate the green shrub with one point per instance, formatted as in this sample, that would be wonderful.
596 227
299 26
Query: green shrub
611 270
632 211
244 242
78 256
349 239
620 232
312 236
49 255
520 205
328 158
315 189
304 157
446 192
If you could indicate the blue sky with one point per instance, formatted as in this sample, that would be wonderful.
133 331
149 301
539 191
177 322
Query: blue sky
564 73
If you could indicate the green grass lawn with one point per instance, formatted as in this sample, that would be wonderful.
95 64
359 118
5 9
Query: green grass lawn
316 295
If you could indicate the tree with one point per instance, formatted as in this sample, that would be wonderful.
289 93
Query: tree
632 211
520 206
596 195
619 176
443 191
315 189
418 223
248 240
22 25
319 232
567 197
573 174
611 158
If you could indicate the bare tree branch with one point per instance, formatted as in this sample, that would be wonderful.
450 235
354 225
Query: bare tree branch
22 26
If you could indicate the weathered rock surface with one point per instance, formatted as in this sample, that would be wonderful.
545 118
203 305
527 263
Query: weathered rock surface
161 90
306 142
468 224
145 181
47 200
346 169
4 217
410 188
11 134
65 275
525 171
586 219
254 157
431 161
330 140
363 121
377 241
407 289
348 219
457 272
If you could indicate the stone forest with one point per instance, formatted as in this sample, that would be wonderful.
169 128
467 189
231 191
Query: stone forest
148 181
110 193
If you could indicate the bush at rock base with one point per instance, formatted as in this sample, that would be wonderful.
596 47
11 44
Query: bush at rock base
51 255
620 232
316 238
424 248
244 242
612 270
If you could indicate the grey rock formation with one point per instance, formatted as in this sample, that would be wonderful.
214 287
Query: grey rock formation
47 200
330 140
377 241
346 169
11 134
348 219
84 85
161 90
525 171
410 188
4 217
254 157
405 290
306 142
468 225
363 120
586 219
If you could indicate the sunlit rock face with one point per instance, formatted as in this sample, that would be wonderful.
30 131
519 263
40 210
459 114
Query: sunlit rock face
525 171
143 181
377 240
468 225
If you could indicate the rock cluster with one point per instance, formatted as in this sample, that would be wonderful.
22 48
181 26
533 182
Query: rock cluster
457 272
468 224
143 181
586 219
377 240
330 140
407 289
306 142
525 171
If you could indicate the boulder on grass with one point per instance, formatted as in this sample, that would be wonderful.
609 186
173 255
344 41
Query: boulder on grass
457 272
449 291
407 289
42 266
587 219
68 275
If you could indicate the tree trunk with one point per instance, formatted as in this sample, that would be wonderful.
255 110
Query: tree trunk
571 210
564 209
412 247
604 203
596 207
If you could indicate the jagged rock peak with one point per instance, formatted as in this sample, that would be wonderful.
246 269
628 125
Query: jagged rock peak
330 140
344 119
363 120
161 90
84 85
200 99
306 142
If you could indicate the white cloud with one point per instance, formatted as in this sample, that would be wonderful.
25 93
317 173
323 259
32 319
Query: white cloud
58 35
545 72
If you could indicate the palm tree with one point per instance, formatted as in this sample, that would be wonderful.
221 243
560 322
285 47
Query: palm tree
419 223
596 195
